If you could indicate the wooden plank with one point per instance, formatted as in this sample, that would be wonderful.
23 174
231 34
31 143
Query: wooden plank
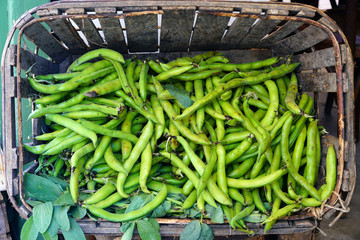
260 29
8 122
239 29
64 31
112 30
38 65
208 30
317 82
300 41
141 30
88 28
284 30
176 38
42 38
314 60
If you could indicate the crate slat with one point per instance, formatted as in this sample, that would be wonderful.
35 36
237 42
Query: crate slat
88 28
208 30
8 123
38 34
260 29
64 31
238 29
284 30
38 65
176 38
112 30
141 30
302 40
317 82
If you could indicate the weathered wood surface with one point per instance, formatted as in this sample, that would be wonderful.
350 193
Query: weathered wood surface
260 29
300 41
42 38
64 31
176 27
175 228
88 28
142 30
111 27
238 29
208 30
38 65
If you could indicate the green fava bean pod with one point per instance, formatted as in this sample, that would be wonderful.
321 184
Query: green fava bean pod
102 52
330 173
134 156
74 126
147 208
146 162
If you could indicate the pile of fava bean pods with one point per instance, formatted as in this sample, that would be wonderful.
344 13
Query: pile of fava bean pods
235 136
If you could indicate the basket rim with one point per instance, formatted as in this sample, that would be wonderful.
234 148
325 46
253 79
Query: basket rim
309 21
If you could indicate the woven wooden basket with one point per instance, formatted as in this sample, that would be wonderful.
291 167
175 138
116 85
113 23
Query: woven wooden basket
243 31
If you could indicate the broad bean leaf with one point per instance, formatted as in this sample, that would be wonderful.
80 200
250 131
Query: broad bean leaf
61 216
147 231
52 232
64 200
34 203
78 212
58 181
128 233
192 231
154 223
255 218
42 216
161 210
206 232
75 231
29 231
139 201
41 188
217 216
181 95
125 226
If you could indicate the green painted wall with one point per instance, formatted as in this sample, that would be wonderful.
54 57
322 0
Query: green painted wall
10 11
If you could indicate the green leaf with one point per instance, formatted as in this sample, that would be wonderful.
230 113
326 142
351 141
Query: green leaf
75 231
218 215
41 188
47 236
42 216
181 95
58 181
29 231
206 232
194 213
255 218
161 210
64 200
267 206
139 201
192 231
78 212
125 226
147 231
62 217
83 196
128 233
154 223
52 231
34 203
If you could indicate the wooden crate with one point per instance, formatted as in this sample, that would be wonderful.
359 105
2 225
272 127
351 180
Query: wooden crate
244 31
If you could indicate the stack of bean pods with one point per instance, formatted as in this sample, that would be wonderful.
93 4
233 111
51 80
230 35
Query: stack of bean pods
237 136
